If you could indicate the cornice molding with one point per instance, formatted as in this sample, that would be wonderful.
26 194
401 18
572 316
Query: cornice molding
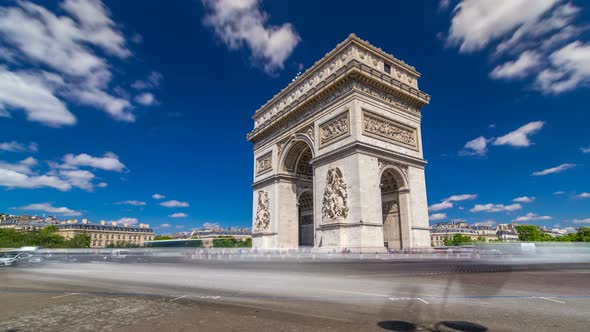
353 49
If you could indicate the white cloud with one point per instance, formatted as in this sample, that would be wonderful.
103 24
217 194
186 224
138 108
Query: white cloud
583 195
476 23
495 207
152 82
475 147
165 225
108 162
440 206
23 166
557 169
518 68
102 184
13 179
178 215
462 197
145 99
36 98
60 176
70 59
47 207
582 221
242 23
520 137
132 202
174 203
559 192
78 178
532 34
585 150
531 217
437 216
126 220
158 196
571 69
523 199
14 146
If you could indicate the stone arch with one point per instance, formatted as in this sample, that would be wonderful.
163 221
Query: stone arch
398 175
393 185
305 218
300 146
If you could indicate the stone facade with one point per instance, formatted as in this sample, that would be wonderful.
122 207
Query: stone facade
347 131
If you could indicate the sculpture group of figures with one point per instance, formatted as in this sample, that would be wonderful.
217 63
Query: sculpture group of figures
335 202
262 211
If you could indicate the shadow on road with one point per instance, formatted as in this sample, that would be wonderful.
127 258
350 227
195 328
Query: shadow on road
443 326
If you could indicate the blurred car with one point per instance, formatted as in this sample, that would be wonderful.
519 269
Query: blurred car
36 260
13 258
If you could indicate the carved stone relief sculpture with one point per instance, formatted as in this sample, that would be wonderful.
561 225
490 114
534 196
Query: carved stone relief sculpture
335 202
334 129
264 163
388 129
262 212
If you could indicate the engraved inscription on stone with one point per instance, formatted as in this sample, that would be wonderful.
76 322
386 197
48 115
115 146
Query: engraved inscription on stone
374 125
334 129
264 163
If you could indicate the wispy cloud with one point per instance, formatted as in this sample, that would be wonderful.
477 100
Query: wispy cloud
132 202
475 147
71 56
243 24
583 195
158 196
49 208
178 215
553 170
174 203
524 199
582 221
520 137
495 207
537 40
437 216
531 217
14 146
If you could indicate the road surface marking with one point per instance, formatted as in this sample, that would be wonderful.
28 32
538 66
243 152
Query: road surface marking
68 294
550 299
178 298
407 299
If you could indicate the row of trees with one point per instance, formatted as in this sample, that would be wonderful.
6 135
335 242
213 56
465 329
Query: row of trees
533 233
529 233
46 237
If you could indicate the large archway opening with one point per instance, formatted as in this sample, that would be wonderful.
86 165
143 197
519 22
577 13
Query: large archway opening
297 163
390 207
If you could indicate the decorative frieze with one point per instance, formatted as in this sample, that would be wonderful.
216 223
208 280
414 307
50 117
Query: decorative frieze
334 129
388 130
262 221
264 163
335 202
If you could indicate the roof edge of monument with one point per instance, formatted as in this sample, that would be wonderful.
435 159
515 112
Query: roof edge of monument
351 39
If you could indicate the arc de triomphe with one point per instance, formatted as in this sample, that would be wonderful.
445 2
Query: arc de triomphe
338 157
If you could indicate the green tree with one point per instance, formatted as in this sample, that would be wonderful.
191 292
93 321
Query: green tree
532 233
583 234
163 237
458 240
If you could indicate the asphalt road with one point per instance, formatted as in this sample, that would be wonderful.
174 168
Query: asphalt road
296 296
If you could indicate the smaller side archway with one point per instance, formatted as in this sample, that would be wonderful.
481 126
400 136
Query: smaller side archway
305 218
392 183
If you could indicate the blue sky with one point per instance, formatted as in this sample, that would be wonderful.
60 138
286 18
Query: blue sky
105 104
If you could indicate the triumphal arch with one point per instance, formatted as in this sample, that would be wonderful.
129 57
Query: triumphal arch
338 160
